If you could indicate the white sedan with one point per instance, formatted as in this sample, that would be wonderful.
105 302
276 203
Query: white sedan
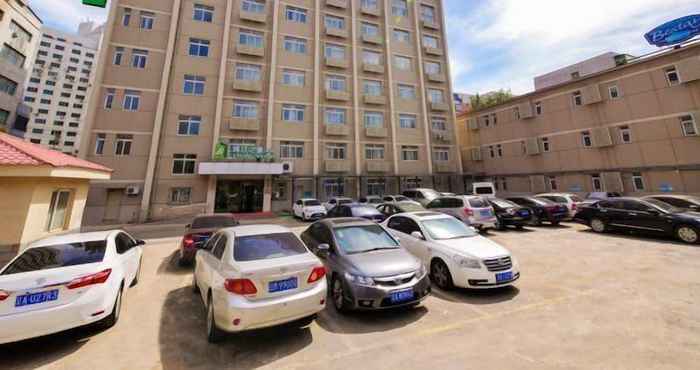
455 253
257 276
67 281
308 209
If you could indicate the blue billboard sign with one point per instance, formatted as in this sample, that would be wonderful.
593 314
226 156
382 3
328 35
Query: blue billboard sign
675 31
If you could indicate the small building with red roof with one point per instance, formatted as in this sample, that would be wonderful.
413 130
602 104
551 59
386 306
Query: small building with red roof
42 191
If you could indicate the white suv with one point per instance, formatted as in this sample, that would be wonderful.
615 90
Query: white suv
309 209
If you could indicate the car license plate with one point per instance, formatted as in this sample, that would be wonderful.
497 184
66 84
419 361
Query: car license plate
524 213
282 285
504 276
401 296
36 298
486 213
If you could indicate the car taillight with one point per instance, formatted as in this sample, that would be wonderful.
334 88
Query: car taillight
188 241
574 206
3 295
96 278
468 212
317 274
240 286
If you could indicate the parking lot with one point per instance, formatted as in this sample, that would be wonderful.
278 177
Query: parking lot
584 301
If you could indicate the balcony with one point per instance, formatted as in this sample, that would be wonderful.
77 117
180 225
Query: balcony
244 124
436 77
370 11
259 17
378 132
430 24
432 51
439 106
372 68
337 95
337 130
342 4
247 85
250 50
444 167
336 62
337 165
377 166
372 39
19 44
337 32
442 136
374 99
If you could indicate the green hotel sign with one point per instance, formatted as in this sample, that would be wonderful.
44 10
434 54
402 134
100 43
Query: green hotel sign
98 3
244 153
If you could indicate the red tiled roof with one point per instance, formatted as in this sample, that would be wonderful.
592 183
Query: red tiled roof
17 152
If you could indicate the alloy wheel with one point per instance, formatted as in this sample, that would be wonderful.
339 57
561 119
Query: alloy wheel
439 274
597 225
687 234
338 299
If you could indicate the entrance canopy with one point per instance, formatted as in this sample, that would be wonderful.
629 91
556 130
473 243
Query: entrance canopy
240 168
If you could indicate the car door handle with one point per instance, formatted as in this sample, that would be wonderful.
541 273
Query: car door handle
633 214
603 211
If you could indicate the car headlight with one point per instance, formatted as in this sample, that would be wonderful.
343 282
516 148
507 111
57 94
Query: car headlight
359 279
421 271
466 262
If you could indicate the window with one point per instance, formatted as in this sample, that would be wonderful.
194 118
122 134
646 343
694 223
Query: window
292 77
293 112
578 100
402 63
334 22
499 150
435 96
20 35
369 29
407 121
139 58
432 68
552 181
371 57
189 125
336 151
427 14
203 13
58 210
183 164
76 52
376 187
492 154
29 99
334 51
131 100
402 36
248 72
291 149
37 131
597 183
294 45
126 18
180 195
575 75
118 55
335 116
333 188
688 126
369 4
399 8
586 138
374 119
245 109
441 154
296 14
638 181
409 153
430 42
199 48
335 83
13 57
194 85
406 91
487 121
538 108
250 38
374 151
439 124
8 86
253 6
672 76
109 98
372 88
147 19
123 145
3 116
613 92
625 134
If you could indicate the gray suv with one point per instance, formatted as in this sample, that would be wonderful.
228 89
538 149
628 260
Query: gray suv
367 267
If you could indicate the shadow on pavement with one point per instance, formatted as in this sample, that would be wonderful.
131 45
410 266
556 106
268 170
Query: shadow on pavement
641 236
183 342
359 322
478 296
171 265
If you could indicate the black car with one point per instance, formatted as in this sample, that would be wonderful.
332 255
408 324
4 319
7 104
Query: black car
509 213
686 202
542 210
648 215
356 210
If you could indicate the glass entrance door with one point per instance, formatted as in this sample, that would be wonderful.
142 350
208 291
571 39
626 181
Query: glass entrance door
239 196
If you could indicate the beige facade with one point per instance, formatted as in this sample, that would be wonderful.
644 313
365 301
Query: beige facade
631 129
351 96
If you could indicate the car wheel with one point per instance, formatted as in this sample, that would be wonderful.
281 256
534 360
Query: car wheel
500 225
113 317
440 275
518 227
598 225
338 295
555 223
688 234
536 221
138 275
214 334
195 287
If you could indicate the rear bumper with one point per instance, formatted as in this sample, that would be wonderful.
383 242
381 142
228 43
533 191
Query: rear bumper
378 297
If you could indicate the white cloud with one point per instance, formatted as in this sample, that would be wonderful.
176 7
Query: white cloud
67 14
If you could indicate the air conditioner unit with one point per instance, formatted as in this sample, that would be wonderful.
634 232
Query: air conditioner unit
287 167
133 190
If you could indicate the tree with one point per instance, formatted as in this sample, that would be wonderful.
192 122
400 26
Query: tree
489 100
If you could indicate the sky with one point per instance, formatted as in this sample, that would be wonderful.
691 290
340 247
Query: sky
501 44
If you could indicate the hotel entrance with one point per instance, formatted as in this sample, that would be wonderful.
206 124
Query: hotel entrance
239 196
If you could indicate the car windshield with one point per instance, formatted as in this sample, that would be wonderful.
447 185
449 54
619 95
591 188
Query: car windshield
503 203
576 198
447 228
663 205
365 238
264 247
478 203
311 203
59 255
483 190
364 211
411 207
430 194
374 200
400 198
543 201
344 201
213 222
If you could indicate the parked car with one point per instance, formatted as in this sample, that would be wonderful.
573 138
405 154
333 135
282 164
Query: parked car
396 198
356 210
484 189
388 209
471 209
269 278
67 281
199 231
595 196
447 194
367 267
421 195
509 213
372 200
308 209
571 201
686 202
335 201
543 210
455 253
647 215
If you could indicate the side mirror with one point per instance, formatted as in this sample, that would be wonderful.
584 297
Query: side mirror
418 235
323 250
140 242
